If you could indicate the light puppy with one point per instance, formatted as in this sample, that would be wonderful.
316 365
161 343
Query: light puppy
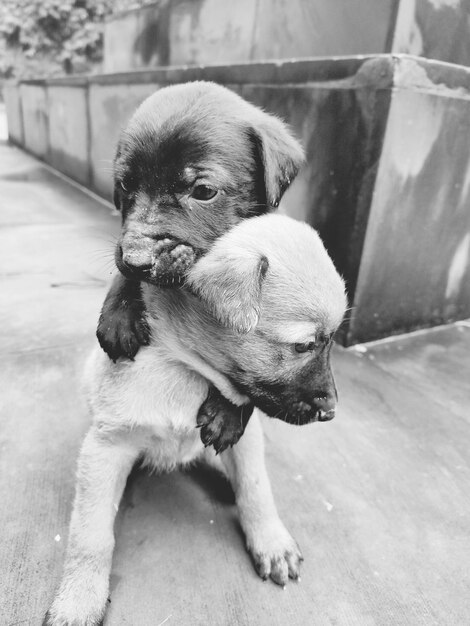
256 319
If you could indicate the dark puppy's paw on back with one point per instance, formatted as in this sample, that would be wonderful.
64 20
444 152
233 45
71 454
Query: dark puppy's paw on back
221 422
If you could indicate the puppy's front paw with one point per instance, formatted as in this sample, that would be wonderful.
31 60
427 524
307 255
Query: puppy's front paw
275 553
221 422
171 261
121 332
79 602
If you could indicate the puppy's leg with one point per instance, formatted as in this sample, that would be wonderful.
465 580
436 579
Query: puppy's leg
274 551
222 423
122 327
104 464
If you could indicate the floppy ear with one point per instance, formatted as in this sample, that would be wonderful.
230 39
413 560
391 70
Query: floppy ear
281 155
230 285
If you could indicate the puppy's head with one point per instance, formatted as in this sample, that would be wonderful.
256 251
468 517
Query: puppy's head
194 160
271 281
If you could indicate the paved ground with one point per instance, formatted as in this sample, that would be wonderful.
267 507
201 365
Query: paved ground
378 498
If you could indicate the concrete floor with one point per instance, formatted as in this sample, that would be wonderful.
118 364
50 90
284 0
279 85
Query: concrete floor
378 498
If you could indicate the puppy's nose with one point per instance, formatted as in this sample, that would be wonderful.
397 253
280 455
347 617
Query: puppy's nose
326 405
136 260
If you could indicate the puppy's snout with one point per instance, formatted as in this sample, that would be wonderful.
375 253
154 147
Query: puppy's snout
135 250
325 404
136 260
320 409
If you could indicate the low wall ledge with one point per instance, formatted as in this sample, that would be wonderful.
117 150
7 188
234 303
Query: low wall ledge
438 77
123 12
353 72
69 81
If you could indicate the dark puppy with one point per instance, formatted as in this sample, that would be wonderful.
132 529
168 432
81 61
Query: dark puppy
194 160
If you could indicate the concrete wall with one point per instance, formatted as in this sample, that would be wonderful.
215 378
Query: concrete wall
68 130
110 107
417 244
202 32
12 98
386 181
436 29
309 28
130 40
35 118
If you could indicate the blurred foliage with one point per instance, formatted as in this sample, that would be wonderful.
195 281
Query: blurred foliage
51 37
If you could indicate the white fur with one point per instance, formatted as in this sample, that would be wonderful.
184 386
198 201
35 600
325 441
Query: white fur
147 409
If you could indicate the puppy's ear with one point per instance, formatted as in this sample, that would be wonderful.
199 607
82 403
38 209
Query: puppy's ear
230 285
280 153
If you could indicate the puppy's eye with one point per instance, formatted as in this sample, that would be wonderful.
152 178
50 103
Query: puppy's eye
128 185
203 193
304 347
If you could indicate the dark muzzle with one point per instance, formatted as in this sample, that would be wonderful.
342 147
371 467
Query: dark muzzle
163 261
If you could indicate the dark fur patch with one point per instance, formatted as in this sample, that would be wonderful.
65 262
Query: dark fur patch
301 399
221 422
